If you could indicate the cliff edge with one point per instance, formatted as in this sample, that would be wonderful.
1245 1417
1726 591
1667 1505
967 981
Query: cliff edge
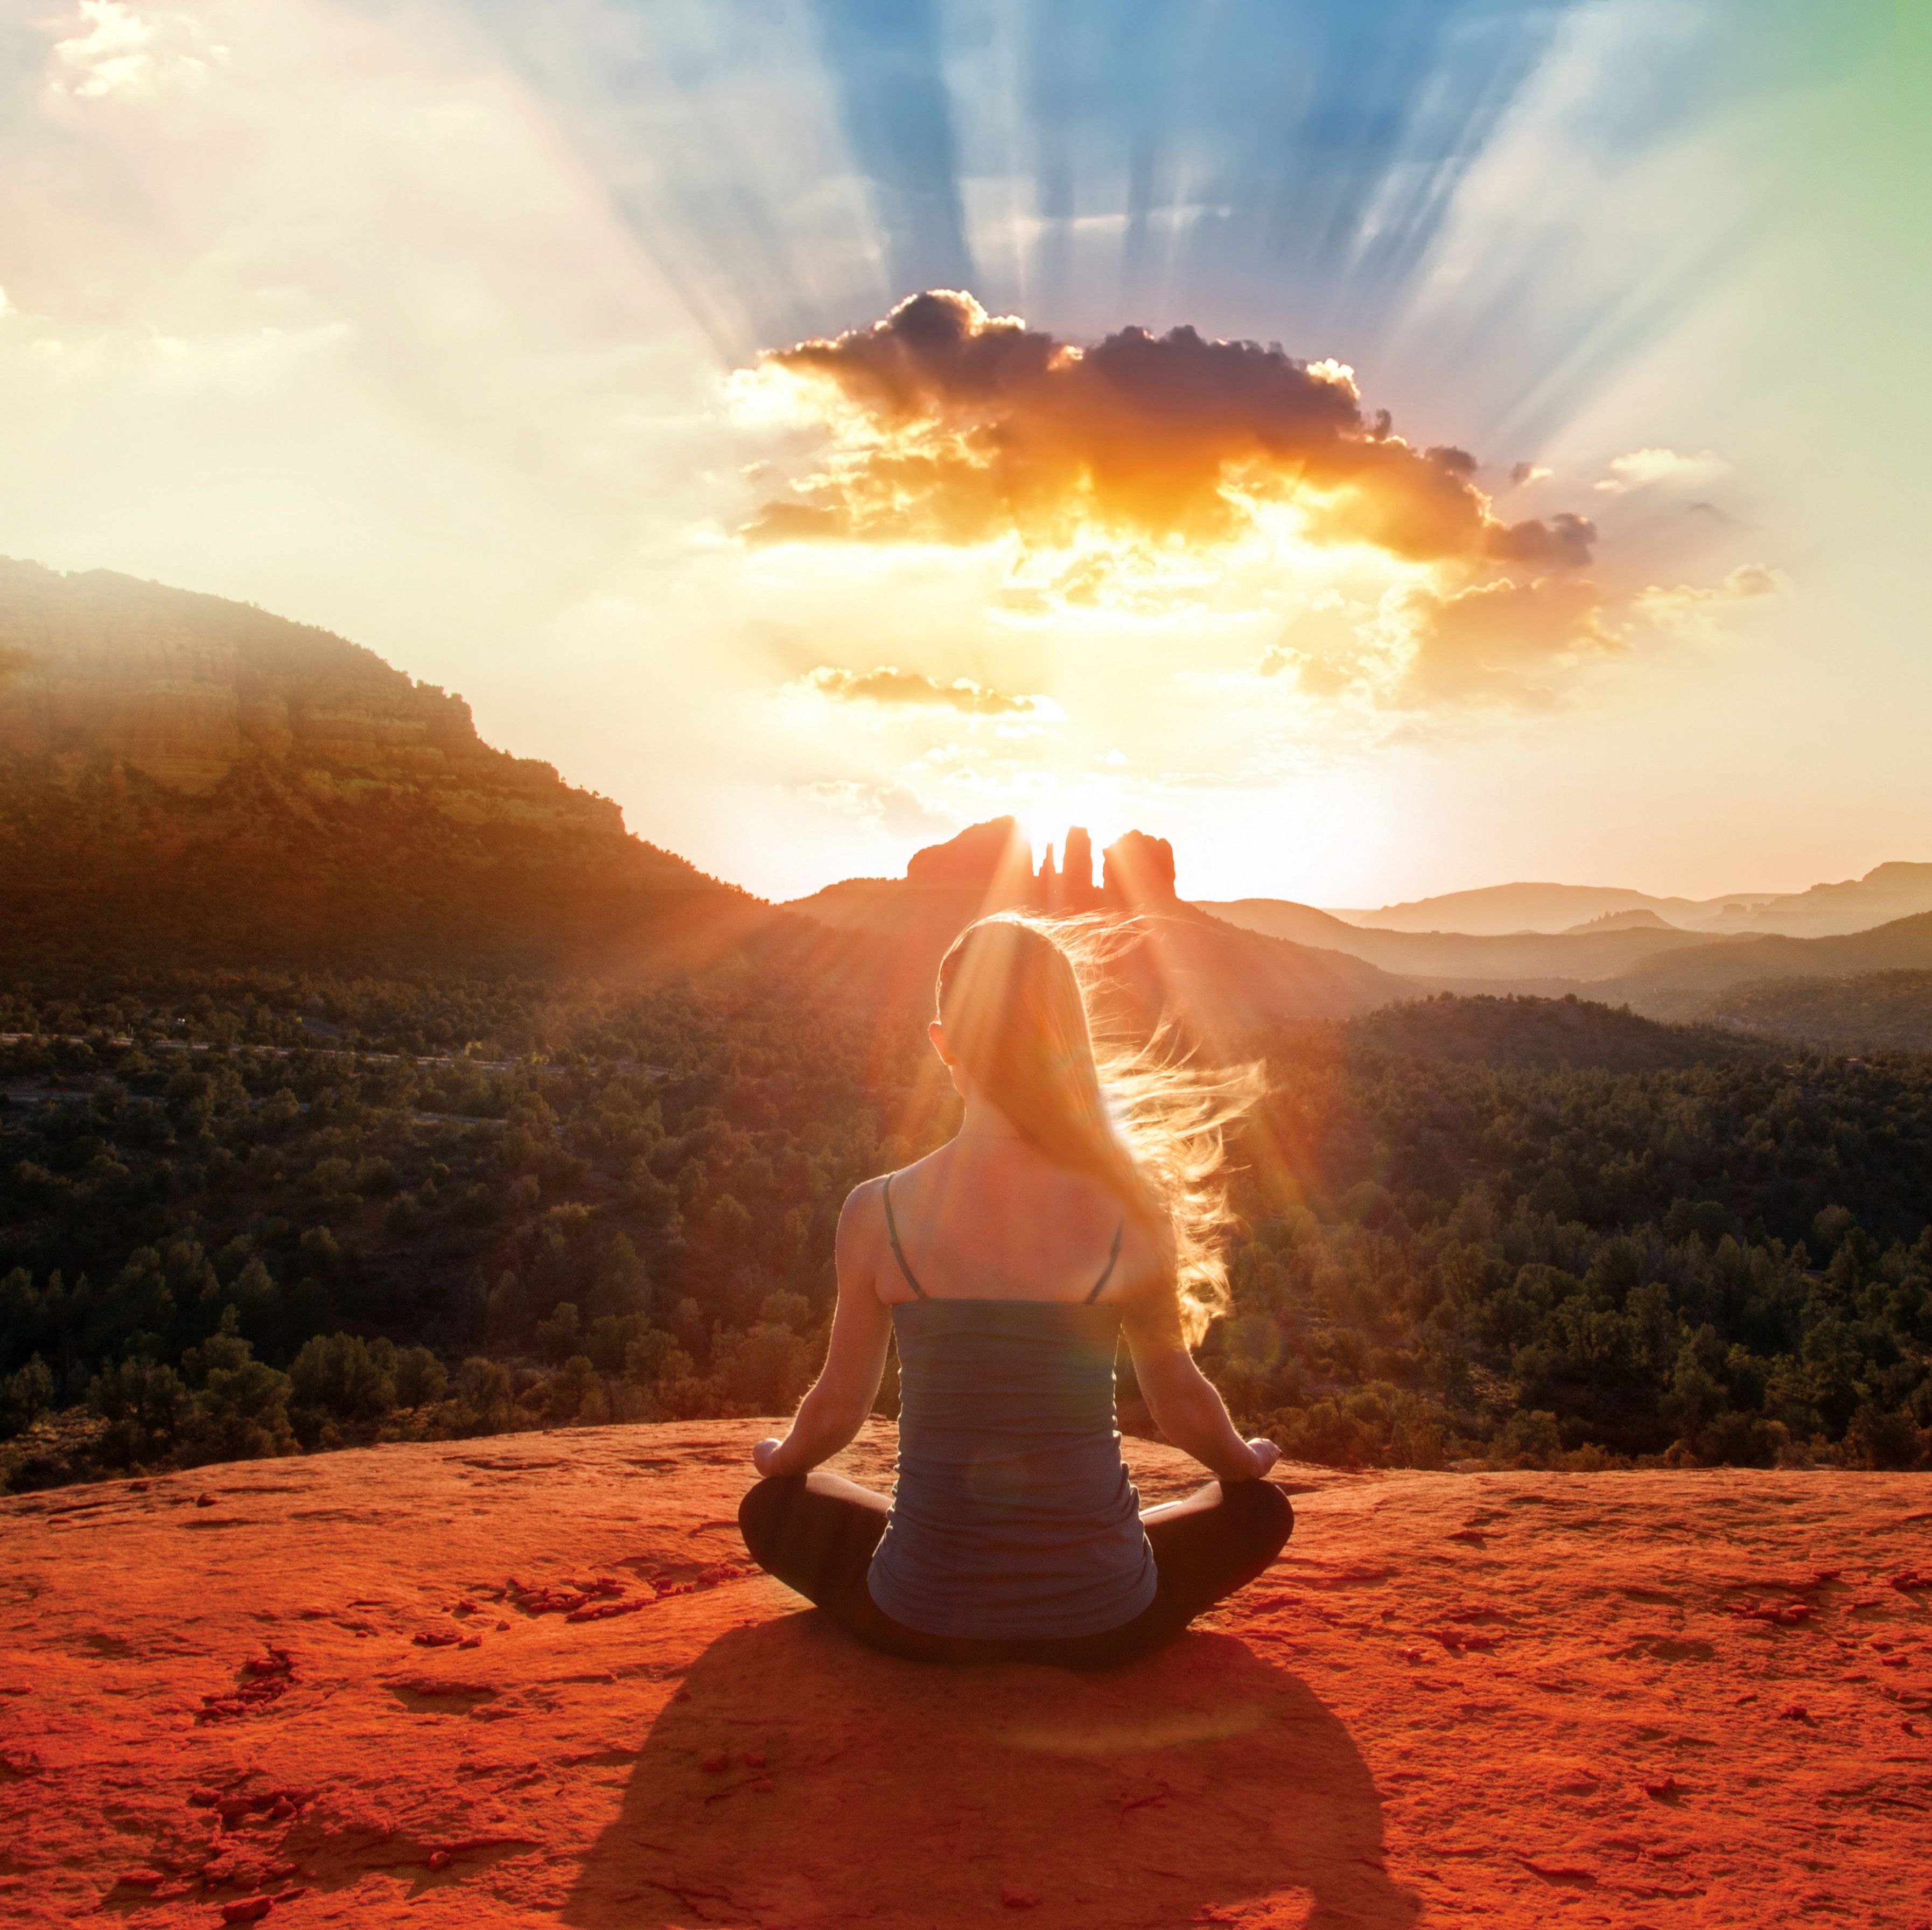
187 779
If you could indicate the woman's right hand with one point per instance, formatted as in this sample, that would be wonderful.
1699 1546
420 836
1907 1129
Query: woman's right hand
1266 1454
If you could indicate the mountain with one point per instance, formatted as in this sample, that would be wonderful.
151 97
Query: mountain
1497 910
186 778
1573 957
1220 977
1888 892
1680 985
1641 919
1883 896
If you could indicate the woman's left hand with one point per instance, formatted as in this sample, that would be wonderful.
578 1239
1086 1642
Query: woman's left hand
765 1455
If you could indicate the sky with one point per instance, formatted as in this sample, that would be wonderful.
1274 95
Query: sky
1383 448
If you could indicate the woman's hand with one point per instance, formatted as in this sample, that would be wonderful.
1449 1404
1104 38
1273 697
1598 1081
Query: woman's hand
765 1455
1266 1454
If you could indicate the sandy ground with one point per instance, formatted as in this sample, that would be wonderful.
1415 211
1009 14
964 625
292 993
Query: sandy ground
1652 1699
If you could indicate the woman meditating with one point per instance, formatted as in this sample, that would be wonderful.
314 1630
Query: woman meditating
1008 1263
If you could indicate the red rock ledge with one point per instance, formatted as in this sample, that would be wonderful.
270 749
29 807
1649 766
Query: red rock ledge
529 1680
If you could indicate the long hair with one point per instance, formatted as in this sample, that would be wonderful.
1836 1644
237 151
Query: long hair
1146 1121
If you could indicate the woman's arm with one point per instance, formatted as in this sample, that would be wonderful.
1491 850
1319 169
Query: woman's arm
835 1408
1185 1405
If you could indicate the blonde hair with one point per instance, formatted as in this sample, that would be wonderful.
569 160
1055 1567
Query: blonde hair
1147 1121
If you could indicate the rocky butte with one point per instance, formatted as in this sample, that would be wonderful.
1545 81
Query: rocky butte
530 1680
188 779
1171 959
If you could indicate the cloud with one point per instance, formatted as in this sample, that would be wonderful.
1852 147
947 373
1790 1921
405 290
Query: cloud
797 522
1490 643
890 686
1564 542
122 52
888 807
1695 609
1522 474
949 425
1319 676
1642 468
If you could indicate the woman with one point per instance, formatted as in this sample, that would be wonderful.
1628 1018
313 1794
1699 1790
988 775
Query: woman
1009 1262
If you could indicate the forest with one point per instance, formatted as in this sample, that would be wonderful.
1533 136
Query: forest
252 1214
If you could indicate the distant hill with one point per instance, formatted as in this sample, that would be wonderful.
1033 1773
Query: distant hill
1876 1011
1641 920
1887 893
1597 952
1681 984
1551 1032
186 778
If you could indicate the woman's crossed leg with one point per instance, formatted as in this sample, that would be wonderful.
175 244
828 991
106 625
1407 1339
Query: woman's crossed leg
817 1532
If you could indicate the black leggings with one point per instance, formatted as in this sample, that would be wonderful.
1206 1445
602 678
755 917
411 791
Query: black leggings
816 1533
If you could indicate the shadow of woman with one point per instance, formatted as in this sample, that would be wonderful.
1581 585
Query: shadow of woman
1204 1785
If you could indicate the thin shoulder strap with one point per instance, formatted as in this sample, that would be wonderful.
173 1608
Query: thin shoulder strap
1113 1260
892 1234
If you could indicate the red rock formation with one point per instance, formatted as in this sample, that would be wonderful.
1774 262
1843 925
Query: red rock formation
1137 871
1563 1719
1076 868
993 859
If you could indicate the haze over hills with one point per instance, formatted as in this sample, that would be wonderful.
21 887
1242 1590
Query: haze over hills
1576 957
1673 975
1682 983
1888 892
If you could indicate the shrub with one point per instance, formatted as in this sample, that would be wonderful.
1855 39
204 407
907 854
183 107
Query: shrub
420 1379
142 1401
337 1374
1878 1440
240 1413
483 1396
25 1396
575 1392
557 1338
376 1178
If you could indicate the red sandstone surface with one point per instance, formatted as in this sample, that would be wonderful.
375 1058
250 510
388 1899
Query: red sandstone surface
528 1680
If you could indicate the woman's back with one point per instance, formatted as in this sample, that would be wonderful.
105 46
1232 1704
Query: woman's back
985 1218
1012 1515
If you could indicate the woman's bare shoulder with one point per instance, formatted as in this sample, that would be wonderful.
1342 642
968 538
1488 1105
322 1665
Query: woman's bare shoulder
864 1211
864 1202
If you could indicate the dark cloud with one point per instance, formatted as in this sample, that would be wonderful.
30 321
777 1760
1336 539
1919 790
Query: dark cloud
970 426
1564 542
888 685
